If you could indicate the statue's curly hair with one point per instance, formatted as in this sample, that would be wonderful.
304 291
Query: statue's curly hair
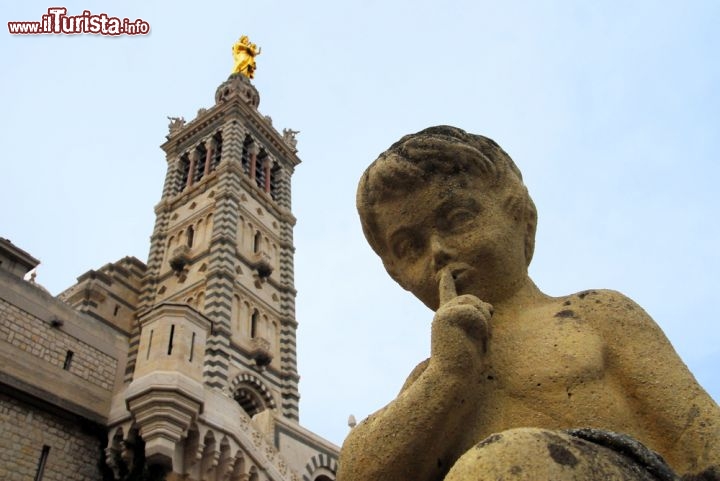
440 153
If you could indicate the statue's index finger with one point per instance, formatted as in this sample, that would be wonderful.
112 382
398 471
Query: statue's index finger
446 286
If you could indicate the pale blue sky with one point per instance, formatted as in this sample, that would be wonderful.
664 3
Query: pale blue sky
610 109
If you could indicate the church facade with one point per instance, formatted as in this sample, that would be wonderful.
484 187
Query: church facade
184 367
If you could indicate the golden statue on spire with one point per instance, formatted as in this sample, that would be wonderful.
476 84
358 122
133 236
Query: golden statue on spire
244 53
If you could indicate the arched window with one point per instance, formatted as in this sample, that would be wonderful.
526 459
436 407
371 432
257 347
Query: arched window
235 313
245 156
252 394
190 236
217 152
260 170
272 334
254 319
257 241
170 245
200 299
208 228
200 166
184 168
274 180
245 315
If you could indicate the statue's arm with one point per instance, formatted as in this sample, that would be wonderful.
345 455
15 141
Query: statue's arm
681 416
415 374
410 438
417 436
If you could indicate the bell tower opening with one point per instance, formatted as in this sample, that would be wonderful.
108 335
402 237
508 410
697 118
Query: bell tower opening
249 401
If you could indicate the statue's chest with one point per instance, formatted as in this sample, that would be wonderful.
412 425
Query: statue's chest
547 354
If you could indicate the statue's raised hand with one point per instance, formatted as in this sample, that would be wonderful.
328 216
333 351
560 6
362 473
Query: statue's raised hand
460 328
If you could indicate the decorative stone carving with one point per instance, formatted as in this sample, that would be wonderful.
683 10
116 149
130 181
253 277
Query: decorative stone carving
176 123
180 258
511 368
238 86
289 138
261 262
260 351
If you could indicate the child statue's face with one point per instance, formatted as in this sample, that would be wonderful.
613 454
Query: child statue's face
458 224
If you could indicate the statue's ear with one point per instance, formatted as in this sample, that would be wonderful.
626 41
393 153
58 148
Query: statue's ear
530 229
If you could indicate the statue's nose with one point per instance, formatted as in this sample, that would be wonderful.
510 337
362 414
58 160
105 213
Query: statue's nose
441 253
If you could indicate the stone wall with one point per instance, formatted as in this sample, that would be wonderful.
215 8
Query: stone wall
74 452
34 336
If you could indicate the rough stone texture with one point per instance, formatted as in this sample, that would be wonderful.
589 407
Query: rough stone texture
623 444
449 216
34 336
74 453
569 458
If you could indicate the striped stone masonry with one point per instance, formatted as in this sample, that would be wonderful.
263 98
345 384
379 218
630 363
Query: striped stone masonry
221 249
155 258
220 284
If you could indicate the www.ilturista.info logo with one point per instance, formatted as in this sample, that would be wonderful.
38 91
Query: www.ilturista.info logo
57 21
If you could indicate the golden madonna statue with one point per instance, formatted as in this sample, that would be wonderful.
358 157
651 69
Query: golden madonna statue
244 53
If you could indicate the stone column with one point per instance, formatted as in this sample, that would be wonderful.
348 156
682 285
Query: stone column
191 170
266 165
253 151
210 147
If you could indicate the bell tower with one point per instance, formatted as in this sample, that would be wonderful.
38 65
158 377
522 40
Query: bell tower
223 241
211 378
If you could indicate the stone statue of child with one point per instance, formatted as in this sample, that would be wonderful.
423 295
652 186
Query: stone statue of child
519 385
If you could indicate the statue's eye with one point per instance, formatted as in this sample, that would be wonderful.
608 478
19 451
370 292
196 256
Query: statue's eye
459 218
406 247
